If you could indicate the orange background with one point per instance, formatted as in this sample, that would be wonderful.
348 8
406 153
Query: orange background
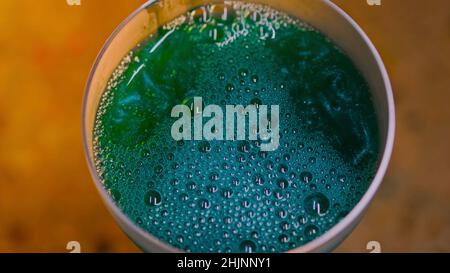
46 194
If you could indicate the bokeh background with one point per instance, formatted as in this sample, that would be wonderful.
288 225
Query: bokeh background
47 197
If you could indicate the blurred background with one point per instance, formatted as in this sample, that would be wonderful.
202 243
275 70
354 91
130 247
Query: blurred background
47 197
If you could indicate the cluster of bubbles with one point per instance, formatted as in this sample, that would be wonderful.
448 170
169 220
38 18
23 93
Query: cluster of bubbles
229 196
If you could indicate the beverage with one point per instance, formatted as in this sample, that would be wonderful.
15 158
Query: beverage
231 196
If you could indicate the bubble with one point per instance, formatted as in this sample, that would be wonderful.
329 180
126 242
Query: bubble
212 188
235 182
283 168
251 213
278 194
184 197
158 169
145 153
153 198
191 185
316 204
243 72
256 101
311 232
342 178
229 87
306 177
174 182
258 179
284 225
283 183
248 246
204 203
244 146
170 156
214 176
245 203
204 146
227 193
283 238
269 165
164 213
282 213
255 78
302 220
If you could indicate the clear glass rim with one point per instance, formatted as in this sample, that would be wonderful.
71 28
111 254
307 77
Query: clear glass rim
311 246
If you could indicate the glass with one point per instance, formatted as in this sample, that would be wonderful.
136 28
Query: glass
323 15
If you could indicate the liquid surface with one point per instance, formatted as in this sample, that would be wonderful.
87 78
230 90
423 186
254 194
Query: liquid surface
229 196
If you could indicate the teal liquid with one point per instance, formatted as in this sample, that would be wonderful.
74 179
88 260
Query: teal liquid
229 196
